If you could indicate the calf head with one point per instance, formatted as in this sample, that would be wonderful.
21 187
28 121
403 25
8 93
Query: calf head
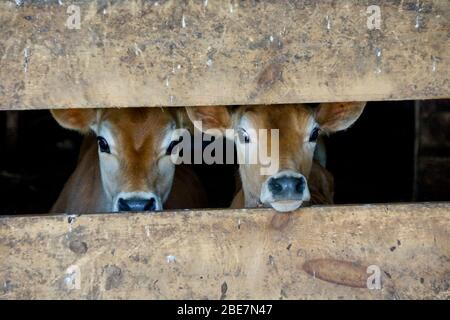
134 147
299 127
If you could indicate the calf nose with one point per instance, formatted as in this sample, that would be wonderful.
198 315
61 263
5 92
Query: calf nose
136 204
287 187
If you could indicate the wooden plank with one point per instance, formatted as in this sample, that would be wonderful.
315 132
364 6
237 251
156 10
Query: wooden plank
317 252
167 53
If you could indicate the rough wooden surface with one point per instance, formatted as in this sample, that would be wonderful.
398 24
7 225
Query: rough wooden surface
172 53
318 252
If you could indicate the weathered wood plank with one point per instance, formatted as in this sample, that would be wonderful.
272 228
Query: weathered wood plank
232 255
171 53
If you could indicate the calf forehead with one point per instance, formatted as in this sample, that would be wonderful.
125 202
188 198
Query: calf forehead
135 126
289 119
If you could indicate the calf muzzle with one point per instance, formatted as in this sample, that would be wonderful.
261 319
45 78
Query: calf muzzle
137 204
285 191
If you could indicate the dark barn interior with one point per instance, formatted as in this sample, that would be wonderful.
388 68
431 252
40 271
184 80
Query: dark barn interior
396 152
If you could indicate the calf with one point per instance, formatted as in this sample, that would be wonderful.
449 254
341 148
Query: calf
299 129
128 167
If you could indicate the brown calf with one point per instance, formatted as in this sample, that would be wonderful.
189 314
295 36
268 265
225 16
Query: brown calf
129 167
299 129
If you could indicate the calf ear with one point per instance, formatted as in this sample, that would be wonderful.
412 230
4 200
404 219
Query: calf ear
211 117
75 119
338 116
181 118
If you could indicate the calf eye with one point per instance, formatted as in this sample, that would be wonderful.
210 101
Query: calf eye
103 145
172 145
243 136
314 135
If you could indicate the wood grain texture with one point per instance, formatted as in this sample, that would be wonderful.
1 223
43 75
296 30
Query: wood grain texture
316 252
178 53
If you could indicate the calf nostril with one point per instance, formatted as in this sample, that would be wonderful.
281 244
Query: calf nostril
151 205
300 186
123 205
275 187
287 187
137 204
